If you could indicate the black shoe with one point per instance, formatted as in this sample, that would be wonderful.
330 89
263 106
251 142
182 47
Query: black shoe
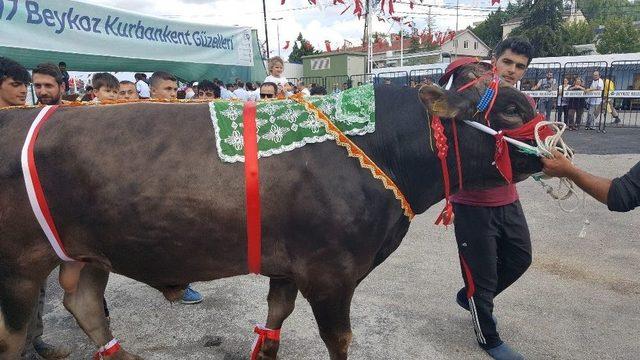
50 352
461 299
504 352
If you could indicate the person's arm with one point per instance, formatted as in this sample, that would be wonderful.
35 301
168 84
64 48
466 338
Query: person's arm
537 86
620 194
559 166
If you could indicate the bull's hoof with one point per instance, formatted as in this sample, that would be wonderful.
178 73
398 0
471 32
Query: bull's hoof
269 350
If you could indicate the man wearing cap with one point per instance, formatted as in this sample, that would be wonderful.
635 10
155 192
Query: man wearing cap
491 230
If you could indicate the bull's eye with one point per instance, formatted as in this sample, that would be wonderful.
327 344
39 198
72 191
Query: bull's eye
511 111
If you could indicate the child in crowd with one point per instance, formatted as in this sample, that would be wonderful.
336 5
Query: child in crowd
276 68
105 87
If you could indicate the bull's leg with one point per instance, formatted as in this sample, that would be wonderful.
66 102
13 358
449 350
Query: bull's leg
18 297
85 304
331 306
282 300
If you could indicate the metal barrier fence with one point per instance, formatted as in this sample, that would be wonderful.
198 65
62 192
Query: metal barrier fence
622 97
541 82
419 76
340 82
400 78
317 80
586 71
361 79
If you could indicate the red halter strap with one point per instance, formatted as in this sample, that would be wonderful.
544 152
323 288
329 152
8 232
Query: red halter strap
446 215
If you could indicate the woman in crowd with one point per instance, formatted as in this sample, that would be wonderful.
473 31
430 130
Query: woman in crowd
576 105
562 105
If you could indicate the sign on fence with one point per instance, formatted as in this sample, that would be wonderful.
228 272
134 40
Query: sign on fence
625 94
542 94
582 94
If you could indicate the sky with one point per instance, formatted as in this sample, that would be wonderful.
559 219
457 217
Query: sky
316 22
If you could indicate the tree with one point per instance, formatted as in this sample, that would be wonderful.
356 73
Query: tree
304 49
580 32
490 30
543 26
599 11
619 36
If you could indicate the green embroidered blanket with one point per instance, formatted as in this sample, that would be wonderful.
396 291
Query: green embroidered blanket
285 125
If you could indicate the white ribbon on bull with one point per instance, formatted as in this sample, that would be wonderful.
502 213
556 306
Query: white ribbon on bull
566 189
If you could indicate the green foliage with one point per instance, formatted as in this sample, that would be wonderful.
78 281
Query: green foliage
580 32
298 52
543 26
619 36
490 30
598 11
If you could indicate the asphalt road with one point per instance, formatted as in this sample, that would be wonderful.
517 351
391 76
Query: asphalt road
579 300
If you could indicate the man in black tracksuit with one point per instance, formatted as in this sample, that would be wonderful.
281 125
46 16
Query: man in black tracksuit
491 230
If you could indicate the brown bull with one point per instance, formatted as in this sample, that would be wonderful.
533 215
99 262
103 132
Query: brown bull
139 190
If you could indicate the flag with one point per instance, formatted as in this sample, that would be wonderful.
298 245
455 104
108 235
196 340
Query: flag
286 46
495 2
327 45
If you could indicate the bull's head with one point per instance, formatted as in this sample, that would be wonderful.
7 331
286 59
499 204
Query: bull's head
511 110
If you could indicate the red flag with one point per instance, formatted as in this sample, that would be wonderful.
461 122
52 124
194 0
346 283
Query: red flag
312 2
411 5
495 2
391 11
336 2
286 46
358 8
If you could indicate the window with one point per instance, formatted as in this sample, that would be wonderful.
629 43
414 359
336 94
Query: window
475 45
465 44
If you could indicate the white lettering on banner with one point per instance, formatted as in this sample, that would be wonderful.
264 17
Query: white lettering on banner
581 94
625 94
542 94
94 30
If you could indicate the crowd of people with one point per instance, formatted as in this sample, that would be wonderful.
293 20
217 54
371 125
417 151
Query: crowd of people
570 109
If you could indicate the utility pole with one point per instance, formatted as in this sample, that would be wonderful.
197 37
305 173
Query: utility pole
455 41
278 31
367 36
266 31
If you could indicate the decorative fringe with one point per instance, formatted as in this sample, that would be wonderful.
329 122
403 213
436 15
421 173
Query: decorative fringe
354 151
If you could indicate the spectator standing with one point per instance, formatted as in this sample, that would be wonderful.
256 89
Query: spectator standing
268 90
128 91
163 85
14 79
561 105
595 103
141 86
254 94
318 90
62 66
224 92
610 86
48 83
545 104
241 93
302 88
208 90
576 105
105 87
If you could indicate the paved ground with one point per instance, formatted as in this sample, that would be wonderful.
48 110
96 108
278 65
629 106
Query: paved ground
578 301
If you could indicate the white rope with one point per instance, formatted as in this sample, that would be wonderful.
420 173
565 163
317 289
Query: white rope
566 188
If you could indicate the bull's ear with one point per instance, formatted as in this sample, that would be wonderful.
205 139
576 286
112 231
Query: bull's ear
436 101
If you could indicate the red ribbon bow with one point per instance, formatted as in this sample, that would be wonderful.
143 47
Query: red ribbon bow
264 333
525 132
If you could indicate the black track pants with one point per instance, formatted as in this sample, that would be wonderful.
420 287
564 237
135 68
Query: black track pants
495 250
